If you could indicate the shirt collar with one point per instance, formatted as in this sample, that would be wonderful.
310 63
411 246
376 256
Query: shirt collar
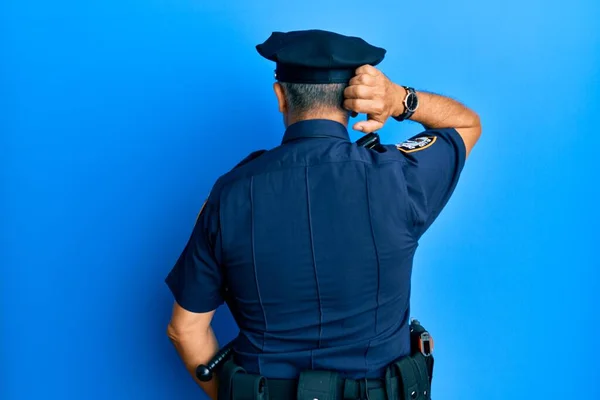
315 128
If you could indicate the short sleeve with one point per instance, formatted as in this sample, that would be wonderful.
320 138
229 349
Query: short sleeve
196 279
434 161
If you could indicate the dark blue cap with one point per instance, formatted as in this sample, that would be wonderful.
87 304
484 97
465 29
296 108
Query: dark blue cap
316 56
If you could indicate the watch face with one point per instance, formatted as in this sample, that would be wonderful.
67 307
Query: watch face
412 102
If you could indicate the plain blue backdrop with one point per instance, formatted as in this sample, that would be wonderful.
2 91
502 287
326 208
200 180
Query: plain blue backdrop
117 116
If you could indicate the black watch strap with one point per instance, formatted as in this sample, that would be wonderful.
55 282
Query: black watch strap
411 102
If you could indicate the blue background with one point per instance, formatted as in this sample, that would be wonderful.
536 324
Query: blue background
117 117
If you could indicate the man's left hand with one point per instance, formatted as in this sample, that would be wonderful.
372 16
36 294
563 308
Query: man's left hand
371 92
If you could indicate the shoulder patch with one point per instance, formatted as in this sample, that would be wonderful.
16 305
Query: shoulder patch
250 157
416 144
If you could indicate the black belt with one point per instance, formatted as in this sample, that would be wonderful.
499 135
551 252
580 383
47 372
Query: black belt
372 389
237 384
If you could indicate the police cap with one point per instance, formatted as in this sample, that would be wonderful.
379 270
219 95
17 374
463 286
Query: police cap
317 56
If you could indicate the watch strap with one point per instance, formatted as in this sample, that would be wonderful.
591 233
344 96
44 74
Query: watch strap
407 112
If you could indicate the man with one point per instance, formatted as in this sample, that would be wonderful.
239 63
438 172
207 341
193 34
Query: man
311 243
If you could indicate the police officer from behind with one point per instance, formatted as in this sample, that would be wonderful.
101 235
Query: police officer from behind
311 243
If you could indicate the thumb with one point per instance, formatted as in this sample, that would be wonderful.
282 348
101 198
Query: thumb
368 126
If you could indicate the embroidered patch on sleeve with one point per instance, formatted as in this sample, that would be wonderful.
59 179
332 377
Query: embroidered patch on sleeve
416 144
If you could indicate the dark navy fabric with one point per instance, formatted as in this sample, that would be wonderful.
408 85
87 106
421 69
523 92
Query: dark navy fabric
317 56
312 243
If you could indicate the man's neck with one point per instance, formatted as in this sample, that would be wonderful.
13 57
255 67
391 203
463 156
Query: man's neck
337 117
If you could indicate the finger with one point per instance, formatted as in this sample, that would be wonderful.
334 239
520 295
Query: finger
363 79
359 92
364 106
367 69
360 106
368 126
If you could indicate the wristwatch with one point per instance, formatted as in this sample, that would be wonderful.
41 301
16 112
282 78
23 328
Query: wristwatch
411 103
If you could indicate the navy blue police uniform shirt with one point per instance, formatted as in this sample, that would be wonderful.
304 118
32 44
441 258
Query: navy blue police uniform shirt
311 244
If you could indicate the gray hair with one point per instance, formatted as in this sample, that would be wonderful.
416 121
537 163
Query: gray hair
303 98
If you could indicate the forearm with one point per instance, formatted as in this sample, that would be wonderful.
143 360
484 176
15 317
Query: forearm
435 111
195 349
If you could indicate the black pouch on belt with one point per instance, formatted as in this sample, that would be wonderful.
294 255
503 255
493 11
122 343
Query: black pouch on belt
414 381
322 385
236 384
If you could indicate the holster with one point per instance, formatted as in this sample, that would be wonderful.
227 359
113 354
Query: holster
415 371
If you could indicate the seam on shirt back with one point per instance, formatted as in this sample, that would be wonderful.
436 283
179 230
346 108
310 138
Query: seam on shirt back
254 263
376 256
231 180
312 248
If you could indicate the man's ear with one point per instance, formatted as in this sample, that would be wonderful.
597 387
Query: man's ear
280 97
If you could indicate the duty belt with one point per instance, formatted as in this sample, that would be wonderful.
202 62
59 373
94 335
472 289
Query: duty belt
235 384
406 379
